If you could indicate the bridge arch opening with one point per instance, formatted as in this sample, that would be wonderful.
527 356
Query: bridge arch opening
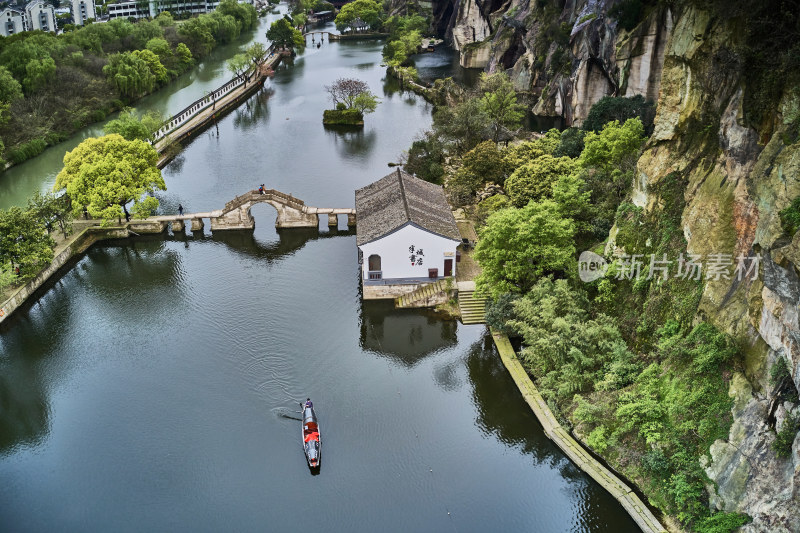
264 216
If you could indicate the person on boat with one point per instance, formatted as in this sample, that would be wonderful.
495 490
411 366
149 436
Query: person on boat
314 435
308 403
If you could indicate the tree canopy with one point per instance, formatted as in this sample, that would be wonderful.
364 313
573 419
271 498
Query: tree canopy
103 175
518 246
283 35
24 243
132 127
368 11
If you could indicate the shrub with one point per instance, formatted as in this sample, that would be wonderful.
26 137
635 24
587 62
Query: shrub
628 13
790 217
490 205
785 437
500 310
27 150
352 117
619 108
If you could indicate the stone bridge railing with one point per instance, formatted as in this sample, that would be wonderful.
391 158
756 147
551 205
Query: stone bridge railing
203 103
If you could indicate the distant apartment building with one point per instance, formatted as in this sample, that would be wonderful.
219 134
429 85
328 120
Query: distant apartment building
36 15
40 15
12 21
82 10
140 9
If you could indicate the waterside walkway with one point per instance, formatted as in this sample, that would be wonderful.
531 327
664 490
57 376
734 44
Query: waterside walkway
206 110
640 513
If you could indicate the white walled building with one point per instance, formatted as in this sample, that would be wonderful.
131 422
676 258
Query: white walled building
137 10
40 15
12 21
406 235
82 10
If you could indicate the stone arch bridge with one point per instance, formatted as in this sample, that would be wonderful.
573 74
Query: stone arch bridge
292 213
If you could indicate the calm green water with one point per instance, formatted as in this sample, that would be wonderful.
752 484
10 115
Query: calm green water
153 387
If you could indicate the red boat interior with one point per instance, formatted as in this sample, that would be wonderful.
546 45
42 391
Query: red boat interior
311 431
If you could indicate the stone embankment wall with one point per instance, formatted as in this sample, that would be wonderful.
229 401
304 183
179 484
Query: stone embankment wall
640 513
75 247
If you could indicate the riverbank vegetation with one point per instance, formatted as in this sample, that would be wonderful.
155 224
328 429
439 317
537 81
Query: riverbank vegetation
621 359
51 86
26 237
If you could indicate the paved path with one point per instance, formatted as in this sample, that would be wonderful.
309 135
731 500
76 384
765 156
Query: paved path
640 513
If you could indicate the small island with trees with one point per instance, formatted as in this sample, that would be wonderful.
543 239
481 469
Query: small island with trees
352 99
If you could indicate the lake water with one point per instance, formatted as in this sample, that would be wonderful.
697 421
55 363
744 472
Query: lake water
154 386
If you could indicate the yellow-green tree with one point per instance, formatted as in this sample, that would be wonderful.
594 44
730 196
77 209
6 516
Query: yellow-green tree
103 175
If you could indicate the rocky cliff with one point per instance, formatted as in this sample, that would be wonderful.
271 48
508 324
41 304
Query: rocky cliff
741 167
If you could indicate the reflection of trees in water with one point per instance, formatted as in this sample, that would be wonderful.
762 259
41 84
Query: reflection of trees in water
503 412
123 269
353 138
391 86
24 411
403 335
253 110
175 166
24 338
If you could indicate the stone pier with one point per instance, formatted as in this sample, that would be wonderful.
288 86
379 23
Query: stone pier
351 220
333 220
178 226
197 225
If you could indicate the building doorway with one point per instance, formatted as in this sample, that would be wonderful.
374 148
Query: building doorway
448 267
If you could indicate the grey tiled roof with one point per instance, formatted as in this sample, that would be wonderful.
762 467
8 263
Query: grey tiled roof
397 199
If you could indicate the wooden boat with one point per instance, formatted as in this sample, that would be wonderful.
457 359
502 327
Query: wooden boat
311 440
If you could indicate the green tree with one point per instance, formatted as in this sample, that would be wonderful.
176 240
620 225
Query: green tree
153 63
425 158
568 351
611 155
184 56
103 175
257 53
283 35
518 246
131 127
534 180
24 243
610 108
198 36
130 74
462 126
10 89
50 209
38 72
368 11
7 276
238 65
499 102
366 102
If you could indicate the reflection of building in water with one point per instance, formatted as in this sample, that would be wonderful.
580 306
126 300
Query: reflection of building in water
407 337
406 235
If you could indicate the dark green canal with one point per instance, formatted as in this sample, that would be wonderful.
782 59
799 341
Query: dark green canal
154 386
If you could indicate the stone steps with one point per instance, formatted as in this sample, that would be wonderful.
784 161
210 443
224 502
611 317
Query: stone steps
413 299
473 309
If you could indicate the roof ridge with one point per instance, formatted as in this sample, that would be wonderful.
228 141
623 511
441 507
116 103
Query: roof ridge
403 195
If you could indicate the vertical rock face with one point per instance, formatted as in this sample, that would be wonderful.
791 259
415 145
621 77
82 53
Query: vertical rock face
738 181
570 58
736 187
